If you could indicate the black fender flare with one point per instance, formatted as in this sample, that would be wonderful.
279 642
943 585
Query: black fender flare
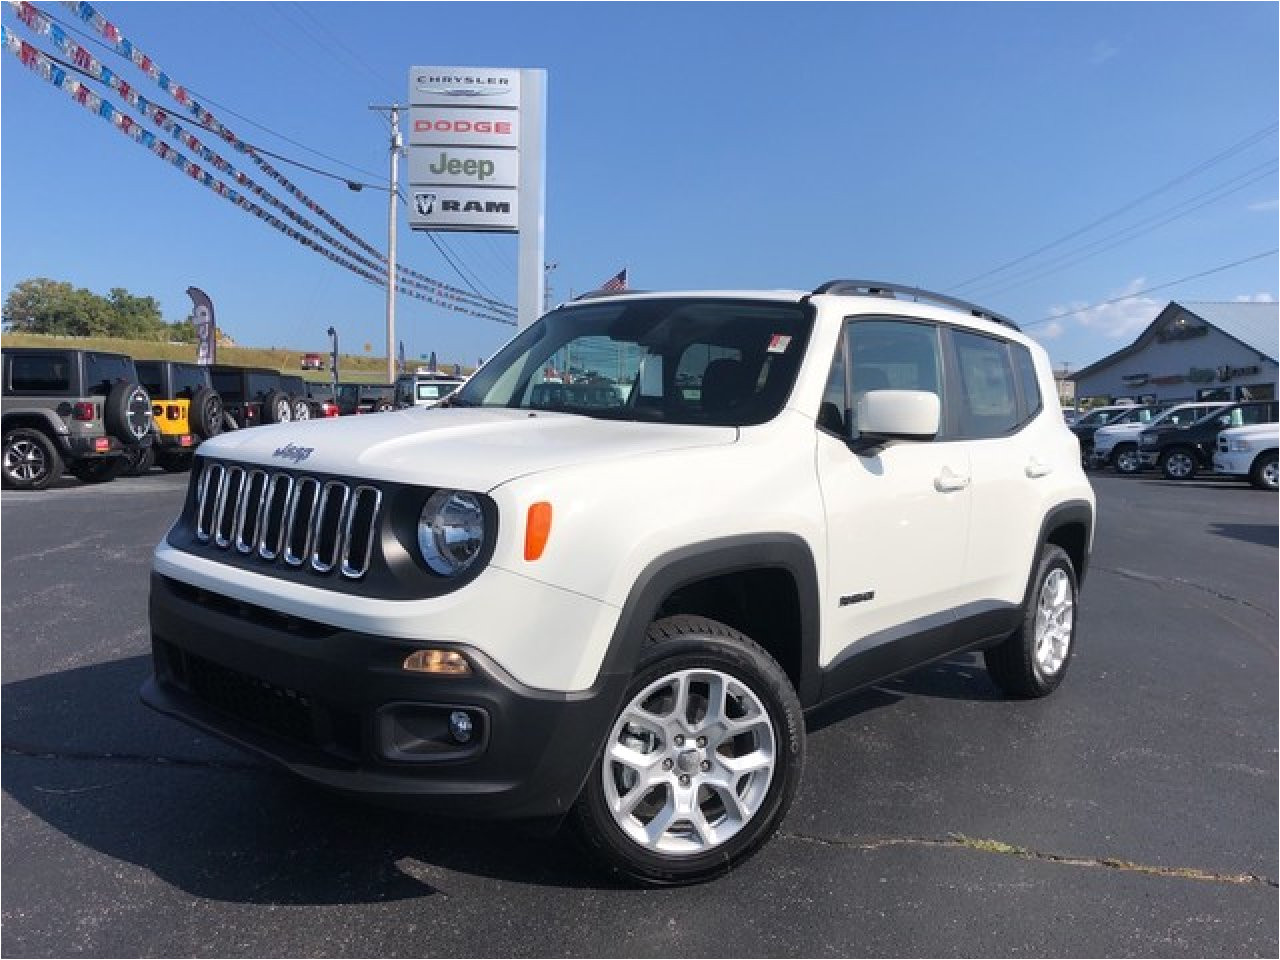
1067 513
698 561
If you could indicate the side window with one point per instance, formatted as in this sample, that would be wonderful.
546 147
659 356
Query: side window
1255 413
893 355
988 395
40 374
1029 383
833 415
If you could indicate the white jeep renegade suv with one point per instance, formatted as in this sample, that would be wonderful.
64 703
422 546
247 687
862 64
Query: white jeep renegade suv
617 604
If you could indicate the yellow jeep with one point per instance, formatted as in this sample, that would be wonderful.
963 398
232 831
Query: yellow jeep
185 410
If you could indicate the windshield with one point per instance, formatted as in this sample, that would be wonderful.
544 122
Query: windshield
1181 416
1098 418
689 361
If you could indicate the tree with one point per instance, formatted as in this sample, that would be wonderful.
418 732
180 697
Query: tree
41 305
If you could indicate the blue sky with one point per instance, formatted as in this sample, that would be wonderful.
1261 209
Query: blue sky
702 146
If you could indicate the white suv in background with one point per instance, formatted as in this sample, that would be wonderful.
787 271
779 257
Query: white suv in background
1249 452
616 605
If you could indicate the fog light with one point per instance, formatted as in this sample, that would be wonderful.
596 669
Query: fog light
438 661
460 726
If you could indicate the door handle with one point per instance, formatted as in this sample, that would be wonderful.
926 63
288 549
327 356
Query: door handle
1038 468
948 482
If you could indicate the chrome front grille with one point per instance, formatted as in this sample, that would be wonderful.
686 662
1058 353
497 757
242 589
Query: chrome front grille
301 521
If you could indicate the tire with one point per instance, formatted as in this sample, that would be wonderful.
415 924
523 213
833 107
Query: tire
1178 463
174 462
382 406
31 460
1032 661
206 413
1125 459
707 661
138 460
1263 472
98 471
277 407
126 413
301 410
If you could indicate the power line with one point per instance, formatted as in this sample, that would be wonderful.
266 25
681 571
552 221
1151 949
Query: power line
221 106
1161 286
1101 245
1199 168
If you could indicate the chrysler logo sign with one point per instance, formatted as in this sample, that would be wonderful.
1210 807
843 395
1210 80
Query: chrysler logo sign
462 86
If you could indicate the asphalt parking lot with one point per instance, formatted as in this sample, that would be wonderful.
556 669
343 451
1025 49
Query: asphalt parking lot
1133 813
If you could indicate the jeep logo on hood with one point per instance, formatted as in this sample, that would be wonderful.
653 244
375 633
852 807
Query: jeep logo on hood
294 453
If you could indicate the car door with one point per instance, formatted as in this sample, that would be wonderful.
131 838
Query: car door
1013 456
897 517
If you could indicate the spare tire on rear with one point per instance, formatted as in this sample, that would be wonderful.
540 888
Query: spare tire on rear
277 407
206 412
127 412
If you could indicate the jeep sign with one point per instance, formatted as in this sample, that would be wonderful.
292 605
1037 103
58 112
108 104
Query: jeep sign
463 166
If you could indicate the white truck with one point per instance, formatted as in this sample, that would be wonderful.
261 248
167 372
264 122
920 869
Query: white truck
1249 452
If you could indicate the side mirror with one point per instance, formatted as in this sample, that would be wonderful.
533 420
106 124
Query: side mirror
885 415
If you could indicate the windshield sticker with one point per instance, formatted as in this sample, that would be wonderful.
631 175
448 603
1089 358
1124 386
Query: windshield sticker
778 343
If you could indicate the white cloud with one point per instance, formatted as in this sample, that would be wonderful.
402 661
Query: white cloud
1256 298
1050 331
1265 206
1103 51
1123 319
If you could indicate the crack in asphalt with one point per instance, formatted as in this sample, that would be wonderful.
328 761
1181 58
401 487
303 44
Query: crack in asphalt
1148 578
41 753
958 841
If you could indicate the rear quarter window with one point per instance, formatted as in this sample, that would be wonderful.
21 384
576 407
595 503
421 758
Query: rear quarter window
47 373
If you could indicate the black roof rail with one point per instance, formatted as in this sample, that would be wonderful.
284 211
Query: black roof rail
875 288
597 294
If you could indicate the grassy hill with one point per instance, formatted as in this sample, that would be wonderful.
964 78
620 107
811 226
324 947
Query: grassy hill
363 367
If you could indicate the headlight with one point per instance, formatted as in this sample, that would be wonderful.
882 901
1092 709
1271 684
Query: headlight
451 532
1239 445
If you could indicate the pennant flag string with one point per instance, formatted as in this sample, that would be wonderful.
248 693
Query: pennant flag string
127 49
84 59
40 64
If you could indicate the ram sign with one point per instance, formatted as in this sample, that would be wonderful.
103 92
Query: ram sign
464 148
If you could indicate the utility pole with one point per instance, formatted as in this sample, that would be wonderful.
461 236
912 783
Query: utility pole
397 143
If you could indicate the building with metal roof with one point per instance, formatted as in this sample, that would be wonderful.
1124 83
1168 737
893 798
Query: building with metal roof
1193 351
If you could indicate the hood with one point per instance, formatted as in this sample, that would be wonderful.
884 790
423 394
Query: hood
1121 428
467 449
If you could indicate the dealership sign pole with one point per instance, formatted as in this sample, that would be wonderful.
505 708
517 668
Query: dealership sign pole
477 161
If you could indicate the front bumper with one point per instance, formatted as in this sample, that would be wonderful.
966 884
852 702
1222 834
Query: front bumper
1233 464
337 708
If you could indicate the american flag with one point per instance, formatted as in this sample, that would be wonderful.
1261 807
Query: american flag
617 283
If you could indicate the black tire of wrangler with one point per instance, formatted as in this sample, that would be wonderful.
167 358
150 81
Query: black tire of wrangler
45 447
1012 665
277 407
116 410
139 460
206 413
682 642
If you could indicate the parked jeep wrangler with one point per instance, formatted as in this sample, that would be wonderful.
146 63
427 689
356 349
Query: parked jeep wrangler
251 396
185 408
80 409
620 612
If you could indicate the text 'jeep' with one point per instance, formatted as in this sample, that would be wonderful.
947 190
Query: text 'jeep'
617 603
